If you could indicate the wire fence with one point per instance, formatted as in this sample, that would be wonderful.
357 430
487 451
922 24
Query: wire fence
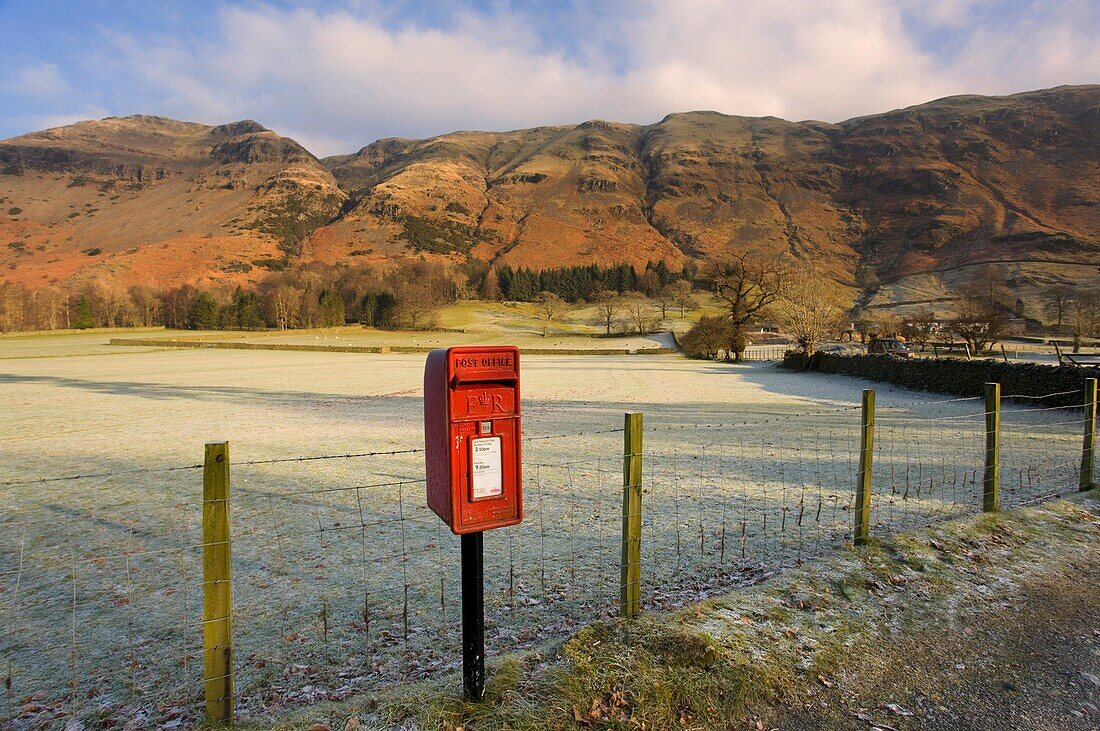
344 581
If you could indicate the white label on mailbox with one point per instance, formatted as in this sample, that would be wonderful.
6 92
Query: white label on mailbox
486 475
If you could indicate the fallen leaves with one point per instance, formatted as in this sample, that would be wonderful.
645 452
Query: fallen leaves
615 706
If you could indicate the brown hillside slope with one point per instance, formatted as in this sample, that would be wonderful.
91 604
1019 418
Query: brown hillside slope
945 184
970 178
153 200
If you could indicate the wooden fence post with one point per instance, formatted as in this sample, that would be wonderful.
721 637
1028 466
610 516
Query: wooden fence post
217 606
630 591
1089 444
866 457
991 492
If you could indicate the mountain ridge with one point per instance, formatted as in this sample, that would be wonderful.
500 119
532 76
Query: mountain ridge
947 183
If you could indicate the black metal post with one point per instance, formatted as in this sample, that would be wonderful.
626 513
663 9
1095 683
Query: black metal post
473 616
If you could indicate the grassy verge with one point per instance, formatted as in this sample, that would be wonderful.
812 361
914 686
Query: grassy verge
739 660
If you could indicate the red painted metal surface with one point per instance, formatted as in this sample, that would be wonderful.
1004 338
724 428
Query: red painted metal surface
472 437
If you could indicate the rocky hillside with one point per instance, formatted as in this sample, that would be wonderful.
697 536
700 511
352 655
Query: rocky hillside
943 185
153 200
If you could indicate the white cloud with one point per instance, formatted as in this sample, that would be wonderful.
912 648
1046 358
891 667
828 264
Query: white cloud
798 59
36 80
340 79
61 120
1051 45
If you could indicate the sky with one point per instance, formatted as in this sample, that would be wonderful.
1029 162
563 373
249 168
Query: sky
336 76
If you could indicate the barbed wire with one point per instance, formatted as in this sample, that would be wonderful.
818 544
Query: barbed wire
778 418
351 455
1045 408
1023 396
573 434
89 475
180 468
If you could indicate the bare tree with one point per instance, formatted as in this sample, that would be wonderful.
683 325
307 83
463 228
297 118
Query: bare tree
490 290
746 285
283 302
109 301
808 308
420 289
146 305
13 308
608 304
640 312
1083 317
550 304
352 283
665 299
175 305
683 296
979 323
49 307
1056 303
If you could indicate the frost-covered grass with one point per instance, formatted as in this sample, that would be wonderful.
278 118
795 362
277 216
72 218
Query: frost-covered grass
879 634
749 469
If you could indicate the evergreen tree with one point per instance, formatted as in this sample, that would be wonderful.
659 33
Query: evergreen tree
245 311
368 309
577 283
203 313
383 314
84 319
332 308
525 285
504 280
377 309
663 273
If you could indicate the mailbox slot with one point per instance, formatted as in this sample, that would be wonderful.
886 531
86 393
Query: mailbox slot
476 378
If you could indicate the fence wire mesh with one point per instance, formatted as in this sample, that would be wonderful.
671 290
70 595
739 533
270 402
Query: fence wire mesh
344 580
1040 451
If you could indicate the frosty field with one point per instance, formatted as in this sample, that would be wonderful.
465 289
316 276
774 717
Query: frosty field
344 581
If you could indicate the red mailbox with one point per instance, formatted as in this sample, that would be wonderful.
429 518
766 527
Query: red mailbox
472 437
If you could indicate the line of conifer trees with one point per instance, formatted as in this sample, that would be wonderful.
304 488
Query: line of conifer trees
581 283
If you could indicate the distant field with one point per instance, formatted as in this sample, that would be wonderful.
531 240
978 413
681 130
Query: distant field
525 317
463 323
355 336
